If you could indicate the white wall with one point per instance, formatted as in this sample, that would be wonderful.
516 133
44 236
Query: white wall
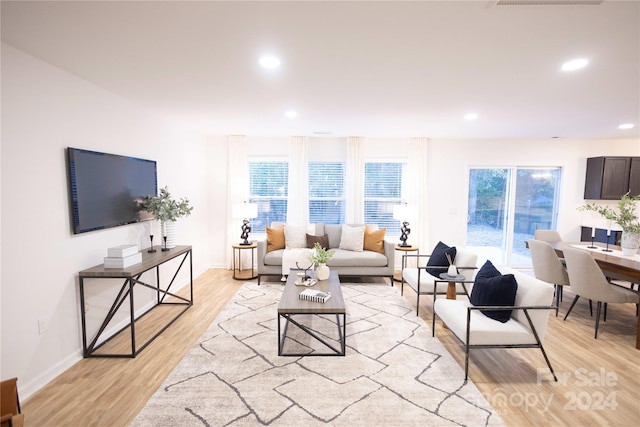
45 110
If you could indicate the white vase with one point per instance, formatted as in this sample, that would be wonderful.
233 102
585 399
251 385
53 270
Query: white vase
452 270
322 272
630 243
168 230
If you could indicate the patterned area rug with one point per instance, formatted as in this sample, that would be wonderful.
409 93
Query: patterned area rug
394 372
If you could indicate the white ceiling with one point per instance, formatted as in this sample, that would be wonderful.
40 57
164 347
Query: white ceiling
378 69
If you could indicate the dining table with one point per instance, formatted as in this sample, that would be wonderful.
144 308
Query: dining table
612 263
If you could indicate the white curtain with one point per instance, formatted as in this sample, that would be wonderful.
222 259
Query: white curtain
417 191
355 181
237 192
298 200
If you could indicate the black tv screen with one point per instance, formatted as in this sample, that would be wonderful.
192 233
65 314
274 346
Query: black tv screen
106 189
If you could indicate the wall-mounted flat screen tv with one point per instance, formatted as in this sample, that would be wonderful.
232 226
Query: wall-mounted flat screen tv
106 189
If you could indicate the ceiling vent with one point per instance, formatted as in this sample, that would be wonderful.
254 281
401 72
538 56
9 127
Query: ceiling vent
547 2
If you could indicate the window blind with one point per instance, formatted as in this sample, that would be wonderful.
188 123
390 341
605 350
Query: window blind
326 192
382 191
268 188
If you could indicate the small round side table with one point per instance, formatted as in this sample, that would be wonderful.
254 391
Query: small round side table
405 250
237 252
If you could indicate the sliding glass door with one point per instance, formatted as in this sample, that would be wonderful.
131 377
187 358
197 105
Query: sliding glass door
505 207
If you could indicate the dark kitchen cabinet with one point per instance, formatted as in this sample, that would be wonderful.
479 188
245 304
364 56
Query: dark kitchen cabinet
634 177
609 178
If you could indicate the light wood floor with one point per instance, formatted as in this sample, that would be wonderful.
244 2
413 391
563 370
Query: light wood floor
599 379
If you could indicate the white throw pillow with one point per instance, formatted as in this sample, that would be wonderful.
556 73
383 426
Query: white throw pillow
295 236
352 238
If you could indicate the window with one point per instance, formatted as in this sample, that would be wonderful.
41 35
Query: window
382 191
268 188
268 181
326 192
505 208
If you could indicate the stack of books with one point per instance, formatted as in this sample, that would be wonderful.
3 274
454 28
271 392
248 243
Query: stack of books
315 295
122 256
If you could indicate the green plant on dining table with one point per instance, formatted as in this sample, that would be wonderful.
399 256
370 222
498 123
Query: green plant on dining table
625 215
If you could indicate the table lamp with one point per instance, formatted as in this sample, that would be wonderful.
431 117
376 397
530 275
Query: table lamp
404 213
245 211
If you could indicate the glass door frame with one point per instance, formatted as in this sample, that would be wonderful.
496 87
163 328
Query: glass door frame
508 223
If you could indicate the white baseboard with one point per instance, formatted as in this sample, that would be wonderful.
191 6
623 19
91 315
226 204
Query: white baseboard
30 387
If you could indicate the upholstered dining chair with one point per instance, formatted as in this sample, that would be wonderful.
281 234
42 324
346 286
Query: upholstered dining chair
588 281
548 267
550 236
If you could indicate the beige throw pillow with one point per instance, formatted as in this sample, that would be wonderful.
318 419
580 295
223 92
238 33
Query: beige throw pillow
295 236
352 238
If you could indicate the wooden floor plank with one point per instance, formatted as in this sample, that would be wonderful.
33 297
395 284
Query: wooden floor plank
594 374
599 380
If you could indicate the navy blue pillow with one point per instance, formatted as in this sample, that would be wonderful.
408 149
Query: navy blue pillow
439 258
488 270
496 290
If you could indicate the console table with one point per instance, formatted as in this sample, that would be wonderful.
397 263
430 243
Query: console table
131 276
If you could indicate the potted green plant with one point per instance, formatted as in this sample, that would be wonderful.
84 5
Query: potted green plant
167 210
320 256
625 216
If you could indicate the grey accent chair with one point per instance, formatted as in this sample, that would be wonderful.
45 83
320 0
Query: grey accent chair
550 236
588 281
548 267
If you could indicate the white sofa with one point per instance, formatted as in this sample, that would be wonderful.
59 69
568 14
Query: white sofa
344 262
525 328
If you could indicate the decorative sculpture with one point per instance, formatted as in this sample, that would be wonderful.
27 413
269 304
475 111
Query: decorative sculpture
246 229
404 234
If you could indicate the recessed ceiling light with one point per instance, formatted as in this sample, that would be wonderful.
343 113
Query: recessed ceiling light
626 126
471 116
291 114
269 62
574 64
